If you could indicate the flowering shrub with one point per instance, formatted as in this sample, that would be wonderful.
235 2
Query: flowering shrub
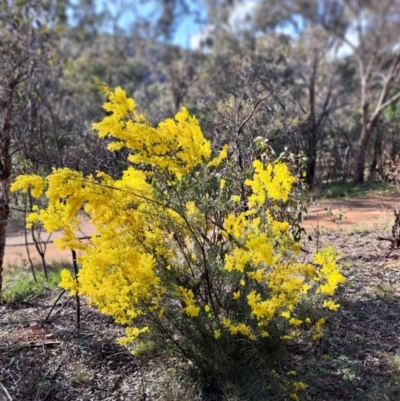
177 254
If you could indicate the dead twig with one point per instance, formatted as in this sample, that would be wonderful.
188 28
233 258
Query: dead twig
19 347
6 392
395 238
54 304
77 297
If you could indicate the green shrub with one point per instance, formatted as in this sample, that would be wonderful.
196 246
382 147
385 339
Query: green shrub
20 285
190 252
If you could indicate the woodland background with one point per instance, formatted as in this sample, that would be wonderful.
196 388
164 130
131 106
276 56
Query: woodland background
319 78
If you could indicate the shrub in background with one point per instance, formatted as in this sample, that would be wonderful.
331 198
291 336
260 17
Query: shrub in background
183 252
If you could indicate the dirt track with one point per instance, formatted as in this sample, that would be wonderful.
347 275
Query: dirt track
16 252
372 212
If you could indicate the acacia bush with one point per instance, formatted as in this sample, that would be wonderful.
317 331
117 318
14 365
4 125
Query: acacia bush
181 254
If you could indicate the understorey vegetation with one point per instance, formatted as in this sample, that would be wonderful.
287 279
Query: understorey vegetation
195 240
189 250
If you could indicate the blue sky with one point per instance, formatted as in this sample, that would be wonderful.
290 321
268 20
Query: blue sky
188 32
187 28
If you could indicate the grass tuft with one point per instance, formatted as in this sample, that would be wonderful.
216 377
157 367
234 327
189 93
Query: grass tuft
20 285
350 190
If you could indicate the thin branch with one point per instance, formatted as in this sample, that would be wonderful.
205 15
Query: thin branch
77 297
247 119
6 392
390 101
54 304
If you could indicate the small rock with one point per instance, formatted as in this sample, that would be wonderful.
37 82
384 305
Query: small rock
34 327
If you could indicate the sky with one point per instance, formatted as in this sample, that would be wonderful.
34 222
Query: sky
189 32
187 28
186 32
236 20
132 8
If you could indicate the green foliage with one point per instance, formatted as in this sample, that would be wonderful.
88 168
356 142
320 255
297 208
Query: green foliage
20 285
350 190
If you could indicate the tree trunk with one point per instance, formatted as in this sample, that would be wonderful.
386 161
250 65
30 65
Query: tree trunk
359 165
377 155
4 211
311 164
5 173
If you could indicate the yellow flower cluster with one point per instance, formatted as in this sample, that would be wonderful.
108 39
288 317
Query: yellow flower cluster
240 328
220 158
274 181
36 182
265 253
187 297
176 145
328 272
158 254
288 387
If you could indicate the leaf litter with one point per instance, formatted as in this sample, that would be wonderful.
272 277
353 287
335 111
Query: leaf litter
357 359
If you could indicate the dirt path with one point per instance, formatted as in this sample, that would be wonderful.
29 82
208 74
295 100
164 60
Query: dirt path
16 253
372 212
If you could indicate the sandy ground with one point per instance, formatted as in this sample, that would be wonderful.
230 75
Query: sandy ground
374 212
17 254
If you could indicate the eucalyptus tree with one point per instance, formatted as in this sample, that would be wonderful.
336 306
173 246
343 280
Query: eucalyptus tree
318 87
36 132
366 33
24 48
